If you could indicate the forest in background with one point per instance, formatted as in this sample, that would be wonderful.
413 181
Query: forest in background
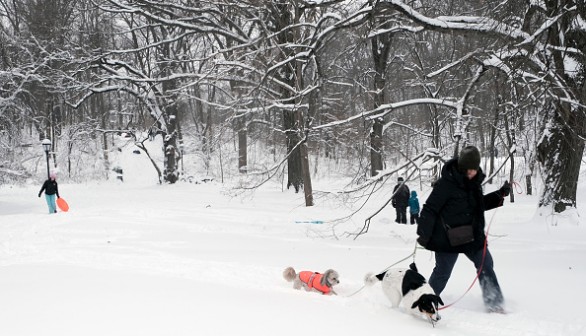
285 88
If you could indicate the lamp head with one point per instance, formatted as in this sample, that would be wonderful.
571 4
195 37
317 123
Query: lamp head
46 145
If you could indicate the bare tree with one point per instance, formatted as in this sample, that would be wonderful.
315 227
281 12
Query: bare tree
533 53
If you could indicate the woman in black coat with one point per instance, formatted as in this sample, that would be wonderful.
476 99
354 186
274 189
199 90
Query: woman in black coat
457 204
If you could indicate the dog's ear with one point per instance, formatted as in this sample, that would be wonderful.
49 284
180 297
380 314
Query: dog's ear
324 278
439 299
415 304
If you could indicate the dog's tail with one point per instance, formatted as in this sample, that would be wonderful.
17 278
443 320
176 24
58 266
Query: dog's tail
371 278
289 274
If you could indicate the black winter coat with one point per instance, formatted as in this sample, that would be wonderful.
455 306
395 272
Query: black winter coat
50 188
401 197
458 201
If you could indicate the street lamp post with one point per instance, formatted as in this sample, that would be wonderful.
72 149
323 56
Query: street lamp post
47 147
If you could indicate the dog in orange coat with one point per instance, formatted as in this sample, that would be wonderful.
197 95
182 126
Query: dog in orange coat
313 281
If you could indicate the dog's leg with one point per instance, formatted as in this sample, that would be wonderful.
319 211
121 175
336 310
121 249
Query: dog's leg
393 295
389 286
396 298
297 284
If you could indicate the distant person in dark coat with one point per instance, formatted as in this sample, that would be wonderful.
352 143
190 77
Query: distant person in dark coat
457 204
414 207
400 201
51 190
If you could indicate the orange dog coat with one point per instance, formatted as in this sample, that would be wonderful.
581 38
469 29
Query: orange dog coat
313 280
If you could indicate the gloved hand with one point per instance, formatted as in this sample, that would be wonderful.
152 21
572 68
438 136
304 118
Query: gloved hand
505 189
39 195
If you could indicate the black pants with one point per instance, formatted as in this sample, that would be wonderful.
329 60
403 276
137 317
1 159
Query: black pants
414 218
444 264
401 214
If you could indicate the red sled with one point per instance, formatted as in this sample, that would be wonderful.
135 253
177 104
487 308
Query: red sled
62 204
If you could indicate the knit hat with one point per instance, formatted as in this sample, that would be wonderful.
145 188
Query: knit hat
469 159
400 179
53 175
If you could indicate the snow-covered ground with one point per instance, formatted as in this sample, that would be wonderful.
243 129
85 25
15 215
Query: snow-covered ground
136 258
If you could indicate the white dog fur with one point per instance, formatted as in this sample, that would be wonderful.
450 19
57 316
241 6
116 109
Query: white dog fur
326 281
408 289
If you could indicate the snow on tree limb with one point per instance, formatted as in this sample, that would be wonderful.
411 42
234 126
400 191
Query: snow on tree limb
387 108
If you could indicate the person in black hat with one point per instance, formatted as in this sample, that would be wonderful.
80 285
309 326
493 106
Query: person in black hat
452 222
400 200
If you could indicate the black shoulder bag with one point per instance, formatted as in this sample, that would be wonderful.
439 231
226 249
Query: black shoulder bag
459 235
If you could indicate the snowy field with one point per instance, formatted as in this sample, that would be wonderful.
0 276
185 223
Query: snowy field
142 259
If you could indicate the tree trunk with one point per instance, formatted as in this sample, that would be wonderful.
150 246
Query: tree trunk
242 146
380 46
168 101
98 105
511 143
560 153
307 187
170 118
562 146
376 147
171 171
293 76
512 176
294 169
312 112
529 185
492 143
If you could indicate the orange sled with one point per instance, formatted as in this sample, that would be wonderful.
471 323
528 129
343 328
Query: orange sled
62 204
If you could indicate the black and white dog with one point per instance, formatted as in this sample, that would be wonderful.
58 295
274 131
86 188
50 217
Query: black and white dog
410 289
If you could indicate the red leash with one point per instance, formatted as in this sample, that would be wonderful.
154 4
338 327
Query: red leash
518 188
